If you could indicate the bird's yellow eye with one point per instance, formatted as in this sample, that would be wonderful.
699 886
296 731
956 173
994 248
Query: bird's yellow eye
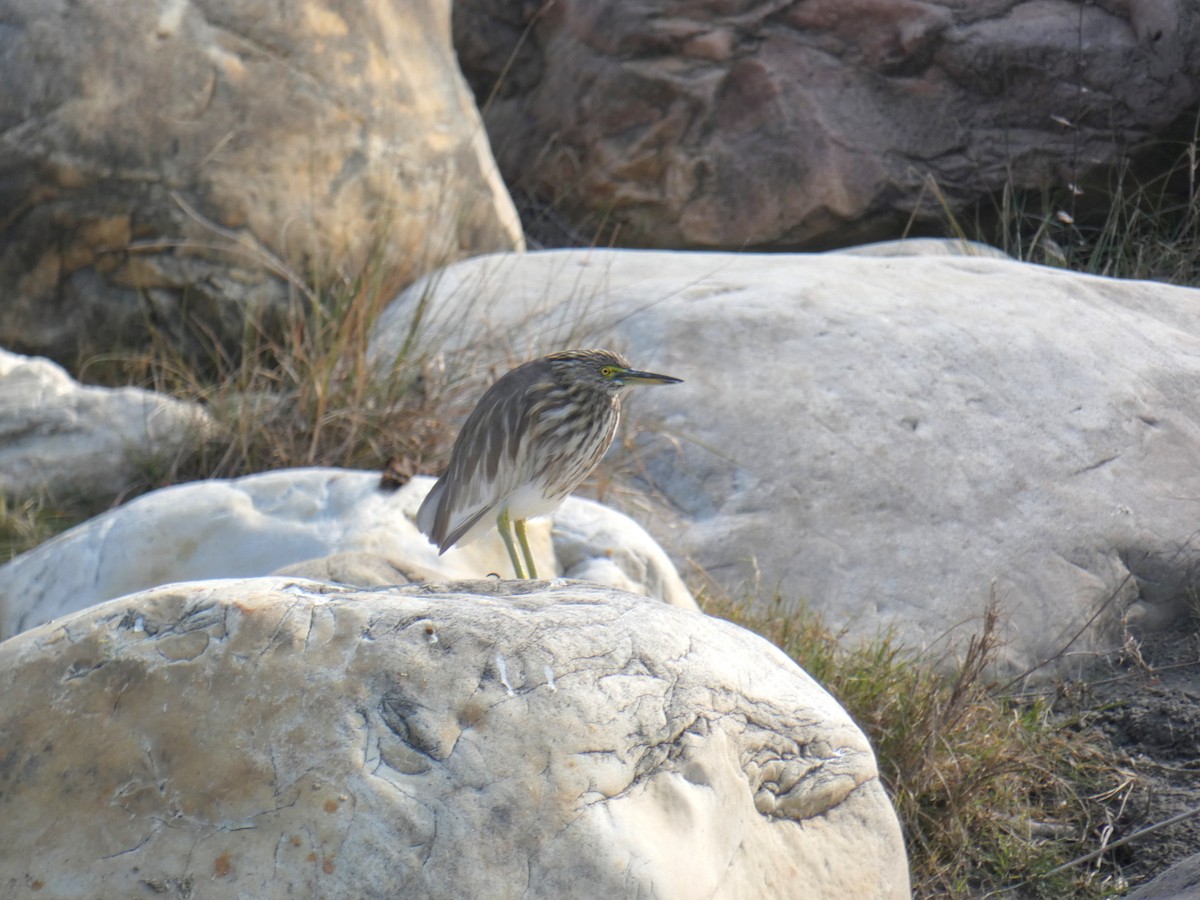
608 371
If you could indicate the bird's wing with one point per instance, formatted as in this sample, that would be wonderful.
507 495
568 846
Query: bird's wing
485 465
429 516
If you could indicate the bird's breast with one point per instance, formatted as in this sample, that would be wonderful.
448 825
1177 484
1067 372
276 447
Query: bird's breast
530 501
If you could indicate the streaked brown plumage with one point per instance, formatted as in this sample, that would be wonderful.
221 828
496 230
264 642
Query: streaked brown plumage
532 438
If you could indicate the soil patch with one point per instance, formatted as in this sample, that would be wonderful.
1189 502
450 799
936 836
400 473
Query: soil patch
1147 704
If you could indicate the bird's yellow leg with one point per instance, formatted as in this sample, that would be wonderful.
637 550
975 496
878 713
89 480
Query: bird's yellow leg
523 538
506 533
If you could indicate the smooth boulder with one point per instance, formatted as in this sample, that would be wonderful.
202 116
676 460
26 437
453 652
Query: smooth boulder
202 169
891 436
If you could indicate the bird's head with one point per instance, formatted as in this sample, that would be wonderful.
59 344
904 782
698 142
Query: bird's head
604 370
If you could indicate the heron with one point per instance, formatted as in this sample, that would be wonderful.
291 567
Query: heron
533 437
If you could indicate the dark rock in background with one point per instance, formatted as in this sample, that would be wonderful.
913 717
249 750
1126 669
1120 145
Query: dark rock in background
737 124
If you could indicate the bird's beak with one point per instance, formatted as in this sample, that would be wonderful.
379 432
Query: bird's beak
632 376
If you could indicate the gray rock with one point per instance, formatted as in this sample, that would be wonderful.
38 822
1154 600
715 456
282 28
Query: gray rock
1180 882
335 524
278 738
814 124
192 165
891 439
69 442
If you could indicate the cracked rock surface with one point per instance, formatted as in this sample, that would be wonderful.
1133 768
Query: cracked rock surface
326 524
277 737
896 433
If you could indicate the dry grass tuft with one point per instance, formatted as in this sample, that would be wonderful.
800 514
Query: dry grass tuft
993 791
1124 227
308 393
26 523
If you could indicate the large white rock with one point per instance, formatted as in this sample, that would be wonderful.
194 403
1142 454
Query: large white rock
280 738
330 524
71 441
891 438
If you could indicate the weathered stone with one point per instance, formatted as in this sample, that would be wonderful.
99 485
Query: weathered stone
189 165
753 123
891 439
333 523
68 442
1180 882
278 738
